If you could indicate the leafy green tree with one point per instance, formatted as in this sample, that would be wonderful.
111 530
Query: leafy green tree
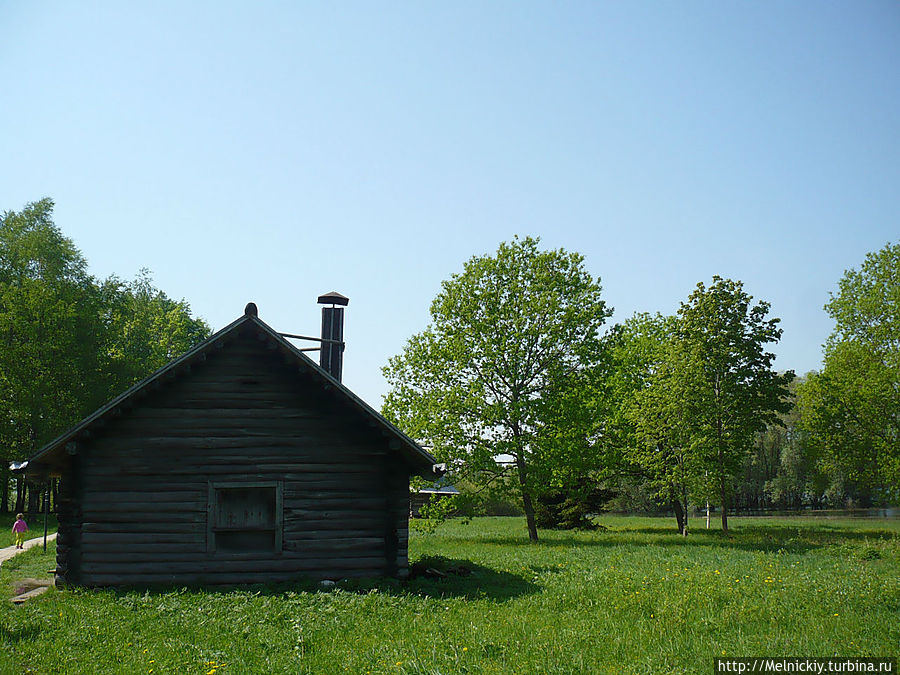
49 342
146 330
851 409
666 451
780 470
724 378
760 468
48 304
502 369
648 423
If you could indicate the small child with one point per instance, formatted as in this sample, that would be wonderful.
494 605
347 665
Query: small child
20 527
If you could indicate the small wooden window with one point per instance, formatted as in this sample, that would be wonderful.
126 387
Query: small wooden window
244 517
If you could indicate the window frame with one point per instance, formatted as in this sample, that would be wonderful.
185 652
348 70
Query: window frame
212 504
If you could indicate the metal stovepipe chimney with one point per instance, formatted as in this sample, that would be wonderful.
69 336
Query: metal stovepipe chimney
331 355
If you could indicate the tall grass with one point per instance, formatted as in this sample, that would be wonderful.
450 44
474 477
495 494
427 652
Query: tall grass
635 598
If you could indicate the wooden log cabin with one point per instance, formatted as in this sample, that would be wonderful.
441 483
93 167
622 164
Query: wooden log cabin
241 462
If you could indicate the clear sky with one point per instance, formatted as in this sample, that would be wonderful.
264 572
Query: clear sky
274 151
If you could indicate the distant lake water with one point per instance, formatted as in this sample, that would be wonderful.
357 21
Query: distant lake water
890 512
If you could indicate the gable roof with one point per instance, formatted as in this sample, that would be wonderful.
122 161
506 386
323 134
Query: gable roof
421 462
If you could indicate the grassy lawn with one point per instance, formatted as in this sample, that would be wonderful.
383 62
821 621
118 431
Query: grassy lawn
635 598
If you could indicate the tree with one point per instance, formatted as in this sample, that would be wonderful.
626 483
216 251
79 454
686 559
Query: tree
146 330
724 378
851 409
505 368
780 470
571 455
649 424
48 343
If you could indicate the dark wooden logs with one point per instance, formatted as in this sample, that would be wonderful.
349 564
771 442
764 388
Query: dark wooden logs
140 512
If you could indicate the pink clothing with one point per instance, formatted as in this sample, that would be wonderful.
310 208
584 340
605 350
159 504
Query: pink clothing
20 526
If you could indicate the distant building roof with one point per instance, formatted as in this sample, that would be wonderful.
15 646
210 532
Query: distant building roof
446 490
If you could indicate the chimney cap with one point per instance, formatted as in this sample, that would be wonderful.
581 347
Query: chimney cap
250 309
334 298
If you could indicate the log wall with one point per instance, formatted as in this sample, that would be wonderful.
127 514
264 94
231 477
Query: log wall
134 510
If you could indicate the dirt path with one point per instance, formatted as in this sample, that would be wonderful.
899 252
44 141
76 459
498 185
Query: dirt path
10 551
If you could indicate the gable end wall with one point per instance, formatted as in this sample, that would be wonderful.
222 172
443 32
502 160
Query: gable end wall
138 507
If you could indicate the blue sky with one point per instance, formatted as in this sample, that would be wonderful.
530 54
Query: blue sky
275 151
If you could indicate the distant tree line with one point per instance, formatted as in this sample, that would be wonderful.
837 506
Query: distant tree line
516 389
68 341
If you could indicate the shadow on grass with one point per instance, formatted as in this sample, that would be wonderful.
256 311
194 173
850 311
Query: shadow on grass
761 538
29 632
461 579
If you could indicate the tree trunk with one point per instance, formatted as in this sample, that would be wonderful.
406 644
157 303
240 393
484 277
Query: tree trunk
724 505
679 516
529 516
4 493
721 455
527 504
20 495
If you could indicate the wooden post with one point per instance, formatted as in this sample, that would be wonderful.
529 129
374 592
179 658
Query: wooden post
46 510
707 505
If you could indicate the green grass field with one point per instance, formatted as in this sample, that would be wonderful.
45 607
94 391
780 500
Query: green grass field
636 598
